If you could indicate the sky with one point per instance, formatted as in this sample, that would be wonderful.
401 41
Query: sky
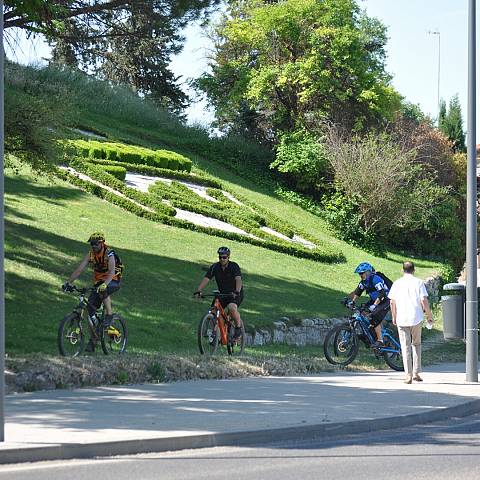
412 53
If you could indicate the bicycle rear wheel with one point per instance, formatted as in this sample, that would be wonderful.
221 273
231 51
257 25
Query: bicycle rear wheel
71 338
341 345
114 338
392 358
235 346
208 334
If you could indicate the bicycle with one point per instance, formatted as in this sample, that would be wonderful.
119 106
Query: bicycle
73 328
342 342
216 327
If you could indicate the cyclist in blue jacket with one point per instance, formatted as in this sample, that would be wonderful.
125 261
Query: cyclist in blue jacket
379 304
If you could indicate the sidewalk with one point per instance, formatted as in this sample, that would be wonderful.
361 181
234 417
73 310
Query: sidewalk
131 419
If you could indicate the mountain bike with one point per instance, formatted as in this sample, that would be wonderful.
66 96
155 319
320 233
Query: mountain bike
217 328
342 342
75 326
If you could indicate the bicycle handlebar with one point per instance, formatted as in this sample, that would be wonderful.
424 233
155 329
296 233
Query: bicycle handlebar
215 294
72 288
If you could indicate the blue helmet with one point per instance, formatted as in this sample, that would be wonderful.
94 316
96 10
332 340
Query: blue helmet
364 267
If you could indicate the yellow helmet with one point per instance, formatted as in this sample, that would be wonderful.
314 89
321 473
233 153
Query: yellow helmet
96 237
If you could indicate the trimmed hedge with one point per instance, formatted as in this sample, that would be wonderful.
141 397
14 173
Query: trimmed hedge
132 154
160 172
95 172
165 214
117 172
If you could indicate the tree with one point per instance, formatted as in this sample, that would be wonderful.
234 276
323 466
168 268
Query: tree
442 114
297 63
119 40
452 125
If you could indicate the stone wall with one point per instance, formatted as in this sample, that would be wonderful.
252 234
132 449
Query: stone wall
312 331
308 331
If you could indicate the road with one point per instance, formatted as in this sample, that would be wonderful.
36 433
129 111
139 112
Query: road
447 450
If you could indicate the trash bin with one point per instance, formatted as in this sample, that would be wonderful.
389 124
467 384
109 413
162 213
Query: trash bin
453 311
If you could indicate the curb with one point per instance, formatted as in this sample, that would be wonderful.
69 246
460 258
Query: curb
242 438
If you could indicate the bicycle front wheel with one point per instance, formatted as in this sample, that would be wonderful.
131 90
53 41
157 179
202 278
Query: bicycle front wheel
393 352
71 338
235 346
114 338
208 334
341 345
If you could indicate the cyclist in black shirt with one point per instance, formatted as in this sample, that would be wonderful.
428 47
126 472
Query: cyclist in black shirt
229 280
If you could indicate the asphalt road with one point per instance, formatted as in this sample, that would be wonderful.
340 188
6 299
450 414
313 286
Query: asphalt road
445 450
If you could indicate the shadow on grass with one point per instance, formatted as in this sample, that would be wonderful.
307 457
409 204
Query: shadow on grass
155 298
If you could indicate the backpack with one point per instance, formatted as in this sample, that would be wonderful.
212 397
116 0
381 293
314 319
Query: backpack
119 266
385 279
369 285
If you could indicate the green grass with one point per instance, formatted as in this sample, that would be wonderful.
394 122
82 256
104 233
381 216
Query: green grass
48 223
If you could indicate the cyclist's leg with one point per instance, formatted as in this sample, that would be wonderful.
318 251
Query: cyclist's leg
94 300
377 318
234 313
112 287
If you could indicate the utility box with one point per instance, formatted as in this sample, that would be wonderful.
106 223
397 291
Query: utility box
453 311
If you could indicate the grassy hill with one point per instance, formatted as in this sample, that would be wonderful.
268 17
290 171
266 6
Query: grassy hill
48 222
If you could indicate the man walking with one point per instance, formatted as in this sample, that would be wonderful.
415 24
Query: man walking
408 302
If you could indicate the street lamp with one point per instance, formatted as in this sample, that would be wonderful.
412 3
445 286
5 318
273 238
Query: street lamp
437 33
471 309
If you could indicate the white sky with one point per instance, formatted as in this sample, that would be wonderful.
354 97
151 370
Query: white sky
412 52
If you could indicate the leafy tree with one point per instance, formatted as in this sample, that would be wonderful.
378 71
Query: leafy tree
452 125
119 40
442 114
296 63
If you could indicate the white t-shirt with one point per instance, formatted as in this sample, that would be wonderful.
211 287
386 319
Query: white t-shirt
407 293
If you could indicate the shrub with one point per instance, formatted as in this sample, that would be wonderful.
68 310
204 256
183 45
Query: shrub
117 172
302 159
162 172
132 154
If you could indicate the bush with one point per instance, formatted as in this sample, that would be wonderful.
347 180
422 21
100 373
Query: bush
132 154
302 158
35 106
161 172
117 172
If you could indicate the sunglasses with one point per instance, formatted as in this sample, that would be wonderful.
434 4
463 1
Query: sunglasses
94 244
223 257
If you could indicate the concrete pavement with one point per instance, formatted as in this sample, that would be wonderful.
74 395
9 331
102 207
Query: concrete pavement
120 420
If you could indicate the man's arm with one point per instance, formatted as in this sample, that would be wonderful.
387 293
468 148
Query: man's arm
426 309
238 283
78 271
202 285
393 309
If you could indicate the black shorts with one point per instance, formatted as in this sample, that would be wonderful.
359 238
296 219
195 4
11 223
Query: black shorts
380 312
237 301
95 299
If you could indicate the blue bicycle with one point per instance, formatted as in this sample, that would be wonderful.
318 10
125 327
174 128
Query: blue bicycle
342 342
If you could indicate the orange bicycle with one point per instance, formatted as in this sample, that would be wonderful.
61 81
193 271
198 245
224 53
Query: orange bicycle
217 328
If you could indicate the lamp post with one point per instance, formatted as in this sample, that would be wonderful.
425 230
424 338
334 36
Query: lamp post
437 33
2 235
471 359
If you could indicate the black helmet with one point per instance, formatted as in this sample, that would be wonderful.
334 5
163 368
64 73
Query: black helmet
223 251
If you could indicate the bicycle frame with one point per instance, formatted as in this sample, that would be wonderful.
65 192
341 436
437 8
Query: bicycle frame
223 320
360 320
82 311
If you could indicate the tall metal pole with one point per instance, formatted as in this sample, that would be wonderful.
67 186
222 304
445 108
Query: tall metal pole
472 297
2 238
437 33
438 75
